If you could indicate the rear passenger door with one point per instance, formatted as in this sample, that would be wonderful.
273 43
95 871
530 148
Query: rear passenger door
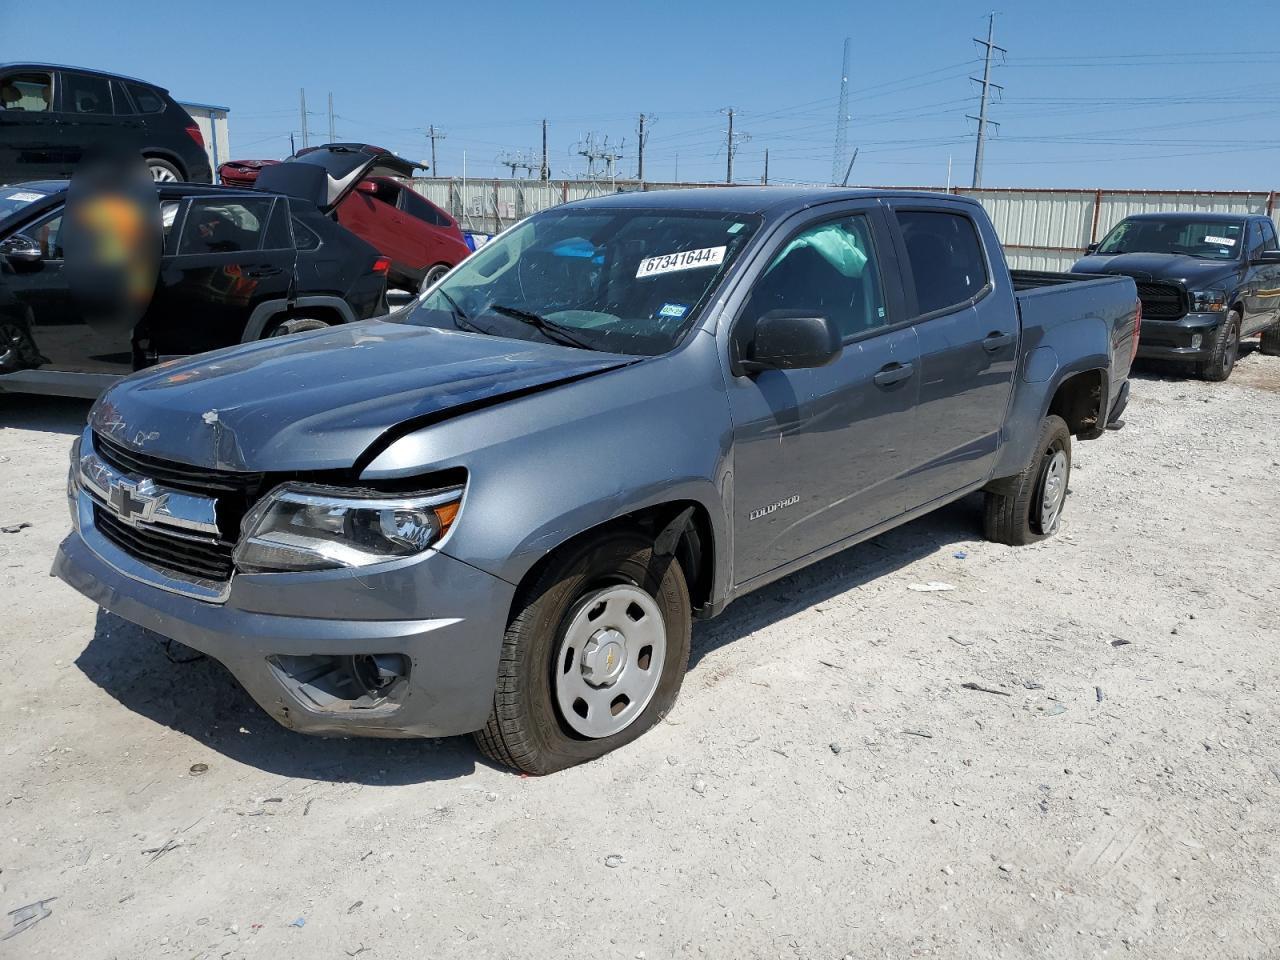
818 453
1262 283
224 257
967 329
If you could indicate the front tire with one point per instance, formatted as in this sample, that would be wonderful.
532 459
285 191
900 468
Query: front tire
1226 348
283 328
593 657
162 171
1028 508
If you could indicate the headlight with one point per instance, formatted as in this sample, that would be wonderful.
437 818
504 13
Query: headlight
303 527
1208 301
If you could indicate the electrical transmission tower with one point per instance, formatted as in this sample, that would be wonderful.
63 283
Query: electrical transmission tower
983 122
525 160
732 142
842 117
600 152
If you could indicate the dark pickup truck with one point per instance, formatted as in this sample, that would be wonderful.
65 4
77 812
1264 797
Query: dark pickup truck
499 509
1205 280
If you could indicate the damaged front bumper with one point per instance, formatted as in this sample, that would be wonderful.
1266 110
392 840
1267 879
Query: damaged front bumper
409 649
1188 339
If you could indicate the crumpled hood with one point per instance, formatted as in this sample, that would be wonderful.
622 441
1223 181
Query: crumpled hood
1195 272
318 401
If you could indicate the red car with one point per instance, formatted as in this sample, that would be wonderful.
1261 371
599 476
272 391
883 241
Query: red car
421 240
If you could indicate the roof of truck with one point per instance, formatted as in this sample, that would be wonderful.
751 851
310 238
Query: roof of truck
777 201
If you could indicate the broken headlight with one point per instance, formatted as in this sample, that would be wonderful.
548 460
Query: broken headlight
303 527
1208 301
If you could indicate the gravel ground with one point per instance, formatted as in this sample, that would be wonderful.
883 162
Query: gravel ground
826 787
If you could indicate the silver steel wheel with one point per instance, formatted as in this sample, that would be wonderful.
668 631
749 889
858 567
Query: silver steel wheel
609 661
161 173
431 277
1055 492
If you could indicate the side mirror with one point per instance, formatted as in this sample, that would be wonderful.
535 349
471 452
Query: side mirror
1092 248
791 340
20 249
1268 256
367 186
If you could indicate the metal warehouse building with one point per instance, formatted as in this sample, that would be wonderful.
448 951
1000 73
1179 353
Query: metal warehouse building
214 128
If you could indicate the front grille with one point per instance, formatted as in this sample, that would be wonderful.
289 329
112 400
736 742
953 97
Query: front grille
1162 301
175 551
170 552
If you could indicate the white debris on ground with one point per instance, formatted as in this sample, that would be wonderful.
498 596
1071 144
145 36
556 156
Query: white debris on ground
1071 753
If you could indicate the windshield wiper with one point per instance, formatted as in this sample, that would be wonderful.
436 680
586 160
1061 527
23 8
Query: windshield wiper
460 318
548 328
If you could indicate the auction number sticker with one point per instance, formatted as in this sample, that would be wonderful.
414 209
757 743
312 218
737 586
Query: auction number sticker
1222 241
684 260
25 196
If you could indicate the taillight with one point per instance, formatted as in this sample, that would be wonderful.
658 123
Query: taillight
1137 329
382 265
194 133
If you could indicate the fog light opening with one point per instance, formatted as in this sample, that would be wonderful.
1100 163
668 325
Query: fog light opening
1196 340
376 673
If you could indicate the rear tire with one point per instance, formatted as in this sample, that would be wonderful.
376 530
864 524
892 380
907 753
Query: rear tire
282 328
1226 349
1269 346
432 275
1027 508
559 620
162 171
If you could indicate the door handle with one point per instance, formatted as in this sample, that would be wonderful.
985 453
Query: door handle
995 340
263 272
892 373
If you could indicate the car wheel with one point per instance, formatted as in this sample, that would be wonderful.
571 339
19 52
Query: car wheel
1226 348
432 275
1269 346
1027 508
593 657
162 171
290 325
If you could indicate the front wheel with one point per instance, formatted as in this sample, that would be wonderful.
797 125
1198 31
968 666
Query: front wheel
162 171
1225 350
594 655
430 278
1027 508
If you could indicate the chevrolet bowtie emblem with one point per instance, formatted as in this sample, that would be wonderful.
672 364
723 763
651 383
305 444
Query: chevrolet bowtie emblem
134 502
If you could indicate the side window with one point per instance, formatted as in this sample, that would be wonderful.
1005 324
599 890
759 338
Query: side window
123 107
1269 236
278 236
145 99
215 225
829 269
48 233
416 206
83 94
947 264
304 237
29 92
1254 243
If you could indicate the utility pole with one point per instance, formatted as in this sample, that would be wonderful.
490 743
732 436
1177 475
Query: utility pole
433 135
333 137
765 179
643 138
990 46
546 170
849 169
676 175
732 142
303 95
842 115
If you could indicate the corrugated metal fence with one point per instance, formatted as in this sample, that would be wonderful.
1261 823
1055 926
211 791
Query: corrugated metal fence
1042 229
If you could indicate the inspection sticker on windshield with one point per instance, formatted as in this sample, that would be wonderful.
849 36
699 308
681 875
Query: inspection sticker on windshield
1222 241
25 196
684 260
673 310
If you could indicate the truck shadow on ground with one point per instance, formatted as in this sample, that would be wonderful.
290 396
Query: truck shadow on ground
201 699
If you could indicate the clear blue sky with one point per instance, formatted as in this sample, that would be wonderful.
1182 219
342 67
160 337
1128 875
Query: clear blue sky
1168 94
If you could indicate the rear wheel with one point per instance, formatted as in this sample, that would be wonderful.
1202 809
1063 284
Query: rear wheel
282 328
430 278
1225 350
593 657
1270 343
162 171
1027 508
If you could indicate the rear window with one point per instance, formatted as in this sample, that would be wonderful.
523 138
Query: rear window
224 226
947 264
424 210
29 92
83 94
146 99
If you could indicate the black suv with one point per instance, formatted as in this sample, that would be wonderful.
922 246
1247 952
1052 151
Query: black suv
49 116
237 265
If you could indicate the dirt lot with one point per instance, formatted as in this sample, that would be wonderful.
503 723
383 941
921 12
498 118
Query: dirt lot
826 786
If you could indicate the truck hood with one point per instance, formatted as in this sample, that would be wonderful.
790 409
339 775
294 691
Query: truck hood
318 401
1193 271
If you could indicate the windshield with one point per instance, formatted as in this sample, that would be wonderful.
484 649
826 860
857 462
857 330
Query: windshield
1207 239
621 281
14 199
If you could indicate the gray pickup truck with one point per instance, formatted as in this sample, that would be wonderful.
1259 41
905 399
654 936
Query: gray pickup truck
500 509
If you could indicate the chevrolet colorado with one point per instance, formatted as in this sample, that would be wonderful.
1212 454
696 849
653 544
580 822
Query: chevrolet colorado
500 509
